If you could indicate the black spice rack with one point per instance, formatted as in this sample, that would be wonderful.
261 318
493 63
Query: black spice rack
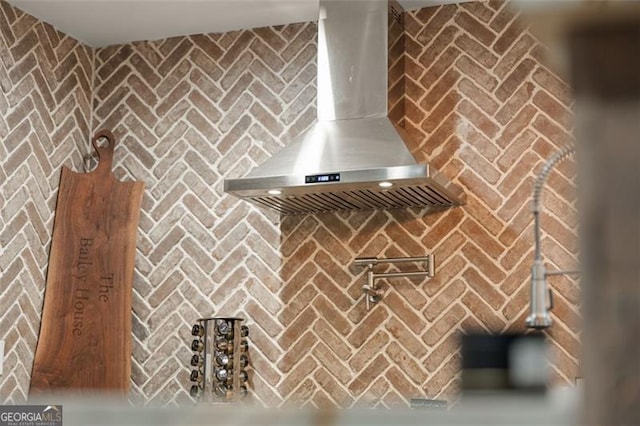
219 361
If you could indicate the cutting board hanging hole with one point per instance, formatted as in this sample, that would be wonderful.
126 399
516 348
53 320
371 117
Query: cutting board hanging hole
104 143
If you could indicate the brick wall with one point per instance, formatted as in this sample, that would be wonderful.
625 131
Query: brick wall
485 110
45 110
189 111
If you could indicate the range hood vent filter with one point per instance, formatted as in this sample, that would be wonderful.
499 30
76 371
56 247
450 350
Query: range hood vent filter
414 196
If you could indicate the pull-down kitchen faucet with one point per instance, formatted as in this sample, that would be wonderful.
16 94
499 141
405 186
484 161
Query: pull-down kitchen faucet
541 301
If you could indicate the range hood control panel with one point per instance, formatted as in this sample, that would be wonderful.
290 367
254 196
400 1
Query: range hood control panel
329 177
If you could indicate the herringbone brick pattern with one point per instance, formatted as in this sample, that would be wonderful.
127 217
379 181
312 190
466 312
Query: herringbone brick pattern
483 108
45 110
188 112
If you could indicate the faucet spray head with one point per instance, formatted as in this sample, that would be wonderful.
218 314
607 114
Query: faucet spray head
539 317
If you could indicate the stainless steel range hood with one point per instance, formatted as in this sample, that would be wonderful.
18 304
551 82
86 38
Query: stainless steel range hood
355 157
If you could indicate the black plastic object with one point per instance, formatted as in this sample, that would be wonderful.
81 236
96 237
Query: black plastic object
504 362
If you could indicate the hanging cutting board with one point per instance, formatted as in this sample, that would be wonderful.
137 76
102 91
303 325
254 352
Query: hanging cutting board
85 333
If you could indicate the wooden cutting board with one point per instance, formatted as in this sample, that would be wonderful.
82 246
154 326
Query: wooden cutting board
85 334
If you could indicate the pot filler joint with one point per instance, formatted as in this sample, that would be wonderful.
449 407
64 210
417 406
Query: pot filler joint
372 292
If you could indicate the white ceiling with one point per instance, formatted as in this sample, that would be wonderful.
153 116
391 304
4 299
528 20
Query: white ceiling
104 22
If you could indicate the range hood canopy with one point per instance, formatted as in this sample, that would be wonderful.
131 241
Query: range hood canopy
355 157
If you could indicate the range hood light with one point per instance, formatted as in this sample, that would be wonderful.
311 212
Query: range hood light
274 192
385 184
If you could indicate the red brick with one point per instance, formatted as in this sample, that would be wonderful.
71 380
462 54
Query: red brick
485 264
441 136
265 344
508 36
263 367
567 367
513 81
554 110
332 363
516 149
479 52
444 325
517 224
334 293
559 89
446 269
374 345
332 245
297 375
367 327
436 22
483 312
266 54
437 45
263 319
364 379
475 72
443 228
405 337
515 103
402 359
559 334
297 304
475 28
480 235
410 243
566 313
482 167
435 71
448 347
297 327
517 304
478 96
440 112
522 194
327 335
514 55
333 388
332 315
412 290
400 308
473 183
522 246
374 222
302 230
336 226
298 260
489 291
445 160
423 16
294 278
559 231
447 297
438 91
503 17
444 376
331 268
295 353
518 124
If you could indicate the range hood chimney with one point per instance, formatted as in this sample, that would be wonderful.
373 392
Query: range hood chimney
355 156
